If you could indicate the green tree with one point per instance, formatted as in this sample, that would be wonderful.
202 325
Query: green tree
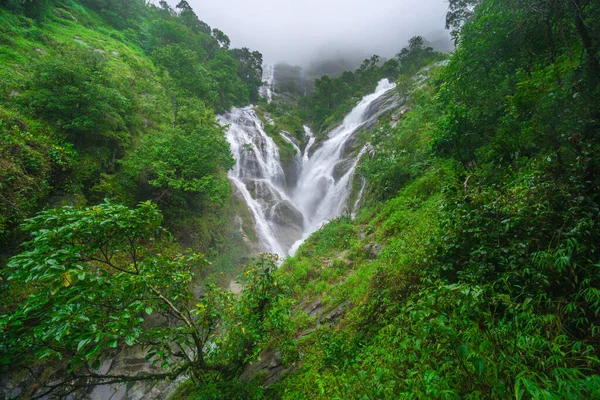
38 9
232 91
120 14
221 38
459 11
250 69
190 19
76 94
106 277
184 165
190 76
93 275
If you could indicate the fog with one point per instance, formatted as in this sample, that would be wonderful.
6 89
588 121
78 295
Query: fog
298 32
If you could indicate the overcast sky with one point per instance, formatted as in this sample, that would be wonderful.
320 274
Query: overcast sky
297 31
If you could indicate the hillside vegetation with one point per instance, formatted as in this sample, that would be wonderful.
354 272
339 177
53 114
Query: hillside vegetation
112 99
471 272
107 130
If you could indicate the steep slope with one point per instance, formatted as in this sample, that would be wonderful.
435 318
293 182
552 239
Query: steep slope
118 100
472 271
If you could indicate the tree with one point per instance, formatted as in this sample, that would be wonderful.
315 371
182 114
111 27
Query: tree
416 43
232 91
221 38
93 274
184 166
189 74
106 277
37 9
459 11
250 70
190 19
166 7
120 14
74 92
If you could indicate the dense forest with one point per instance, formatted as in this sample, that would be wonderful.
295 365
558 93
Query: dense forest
472 270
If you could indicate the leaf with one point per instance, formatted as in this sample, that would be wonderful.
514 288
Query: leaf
463 351
148 310
479 364
83 343
130 340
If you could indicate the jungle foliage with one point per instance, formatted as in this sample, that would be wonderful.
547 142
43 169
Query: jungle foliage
115 99
474 270
104 277
103 99
333 98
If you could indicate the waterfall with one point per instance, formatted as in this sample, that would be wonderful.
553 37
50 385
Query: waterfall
287 211
266 90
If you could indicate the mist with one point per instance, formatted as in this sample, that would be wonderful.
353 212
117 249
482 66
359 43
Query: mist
299 32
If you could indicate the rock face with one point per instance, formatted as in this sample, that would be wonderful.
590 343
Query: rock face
289 223
268 368
261 181
130 361
293 168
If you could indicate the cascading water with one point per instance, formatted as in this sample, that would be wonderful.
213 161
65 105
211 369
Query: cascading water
266 90
287 211
260 179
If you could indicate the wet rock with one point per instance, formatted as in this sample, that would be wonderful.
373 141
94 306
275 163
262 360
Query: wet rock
269 368
235 288
14 393
342 167
315 308
306 332
104 367
289 223
334 315
372 250
76 39
112 392
400 113
350 146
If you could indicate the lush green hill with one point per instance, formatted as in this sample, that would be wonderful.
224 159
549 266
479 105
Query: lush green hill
110 99
115 100
472 271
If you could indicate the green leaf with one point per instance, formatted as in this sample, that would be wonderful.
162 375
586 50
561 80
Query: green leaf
130 340
463 351
479 364
83 343
148 310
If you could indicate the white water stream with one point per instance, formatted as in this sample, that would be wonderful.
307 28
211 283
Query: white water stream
286 213
268 78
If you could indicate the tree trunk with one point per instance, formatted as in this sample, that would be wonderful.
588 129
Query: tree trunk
587 40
